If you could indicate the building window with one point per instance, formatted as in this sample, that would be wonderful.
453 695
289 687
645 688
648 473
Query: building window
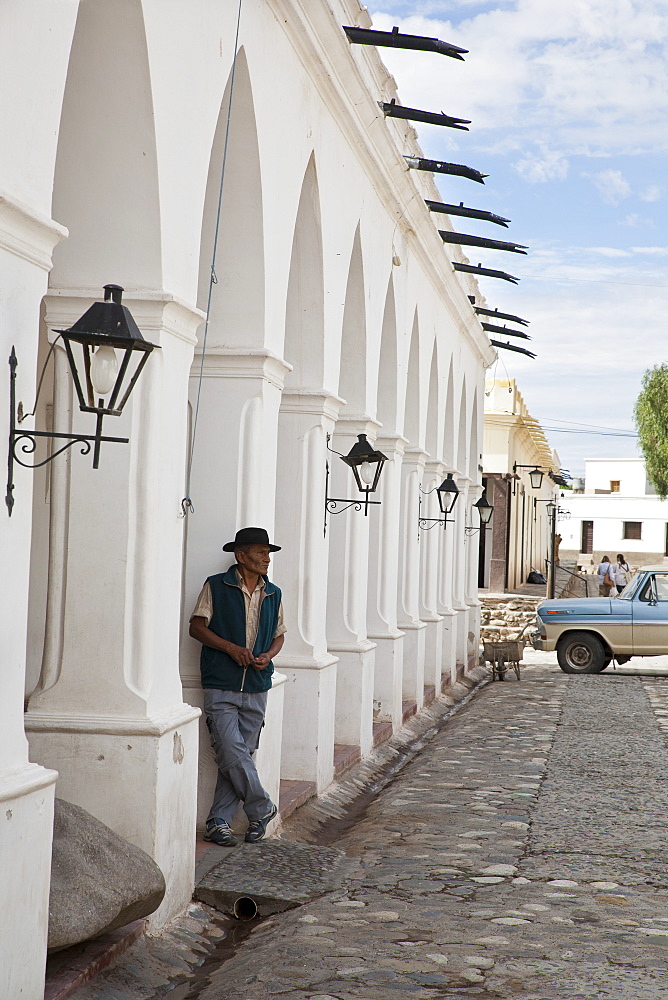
614 485
587 542
632 530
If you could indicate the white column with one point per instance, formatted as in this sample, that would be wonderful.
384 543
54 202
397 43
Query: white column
306 417
26 789
472 547
348 536
460 574
384 545
429 559
233 486
110 715
409 621
446 573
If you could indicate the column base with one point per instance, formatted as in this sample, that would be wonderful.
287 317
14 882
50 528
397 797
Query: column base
353 722
139 776
473 635
433 646
26 811
388 674
308 718
412 687
449 647
461 654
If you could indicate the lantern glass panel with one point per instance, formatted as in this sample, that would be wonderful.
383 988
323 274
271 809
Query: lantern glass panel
485 509
447 494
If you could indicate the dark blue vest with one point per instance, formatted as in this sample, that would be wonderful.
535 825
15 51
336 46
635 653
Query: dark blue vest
219 670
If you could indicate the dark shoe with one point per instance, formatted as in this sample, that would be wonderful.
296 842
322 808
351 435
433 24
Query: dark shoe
220 832
258 827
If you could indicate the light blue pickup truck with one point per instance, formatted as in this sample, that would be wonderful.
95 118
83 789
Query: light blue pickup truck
588 633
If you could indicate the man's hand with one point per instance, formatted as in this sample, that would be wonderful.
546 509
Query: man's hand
244 657
262 661
199 630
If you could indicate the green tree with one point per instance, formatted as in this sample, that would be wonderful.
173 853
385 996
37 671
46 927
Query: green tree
651 416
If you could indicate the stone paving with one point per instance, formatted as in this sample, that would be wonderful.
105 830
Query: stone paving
521 854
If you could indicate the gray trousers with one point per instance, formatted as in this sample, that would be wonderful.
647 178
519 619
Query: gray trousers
234 720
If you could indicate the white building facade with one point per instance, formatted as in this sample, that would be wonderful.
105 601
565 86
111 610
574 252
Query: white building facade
519 538
335 312
618 511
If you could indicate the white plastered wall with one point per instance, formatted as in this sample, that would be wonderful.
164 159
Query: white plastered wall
135 183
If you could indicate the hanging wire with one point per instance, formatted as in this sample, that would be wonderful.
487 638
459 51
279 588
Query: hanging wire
187 506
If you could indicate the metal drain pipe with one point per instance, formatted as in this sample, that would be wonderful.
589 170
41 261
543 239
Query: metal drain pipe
245 908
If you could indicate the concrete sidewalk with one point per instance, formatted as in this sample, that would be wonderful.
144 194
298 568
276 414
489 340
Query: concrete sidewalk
521 854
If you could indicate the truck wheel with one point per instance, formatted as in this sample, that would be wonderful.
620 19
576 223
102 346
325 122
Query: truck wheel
581 653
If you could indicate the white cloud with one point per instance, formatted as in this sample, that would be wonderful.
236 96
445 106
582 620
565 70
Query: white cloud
652 193
548 165
612 186
609 252
586 335
652 251
586 76
635 221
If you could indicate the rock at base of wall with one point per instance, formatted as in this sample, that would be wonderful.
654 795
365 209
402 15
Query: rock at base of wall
98 880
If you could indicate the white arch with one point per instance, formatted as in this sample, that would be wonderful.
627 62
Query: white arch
305 307
433 407
474 449
413 395
353 366
449 431
388 387
106 183
462 435
238 299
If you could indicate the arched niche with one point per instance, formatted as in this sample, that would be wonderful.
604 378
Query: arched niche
462 435
236 316
353 367
305 306
388 387
413 397
474 447
449 429
431 438
106 178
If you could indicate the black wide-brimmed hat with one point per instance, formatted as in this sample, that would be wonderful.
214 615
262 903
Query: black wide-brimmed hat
250 536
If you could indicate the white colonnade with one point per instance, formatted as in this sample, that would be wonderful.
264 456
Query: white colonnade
333 291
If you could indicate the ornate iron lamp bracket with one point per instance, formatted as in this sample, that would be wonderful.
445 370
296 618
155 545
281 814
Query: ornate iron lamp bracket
24 442
427 523
361 503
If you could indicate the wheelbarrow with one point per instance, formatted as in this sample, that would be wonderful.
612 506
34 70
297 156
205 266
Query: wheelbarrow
504 654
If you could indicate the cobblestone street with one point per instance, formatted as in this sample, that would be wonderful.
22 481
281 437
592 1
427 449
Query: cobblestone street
521 854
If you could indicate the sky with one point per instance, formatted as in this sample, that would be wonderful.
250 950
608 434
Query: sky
569 118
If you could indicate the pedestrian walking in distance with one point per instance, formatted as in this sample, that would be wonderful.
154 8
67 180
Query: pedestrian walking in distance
622 573
238 619
606 579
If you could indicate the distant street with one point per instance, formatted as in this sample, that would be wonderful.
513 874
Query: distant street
522 854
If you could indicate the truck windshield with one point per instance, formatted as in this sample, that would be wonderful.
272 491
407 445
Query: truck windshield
630 588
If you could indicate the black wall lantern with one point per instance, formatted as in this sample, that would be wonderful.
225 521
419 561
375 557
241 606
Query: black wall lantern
103 380
446 494
367 464
536 474
485 511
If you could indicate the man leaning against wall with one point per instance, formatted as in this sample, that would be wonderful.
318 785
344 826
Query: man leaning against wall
238 619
